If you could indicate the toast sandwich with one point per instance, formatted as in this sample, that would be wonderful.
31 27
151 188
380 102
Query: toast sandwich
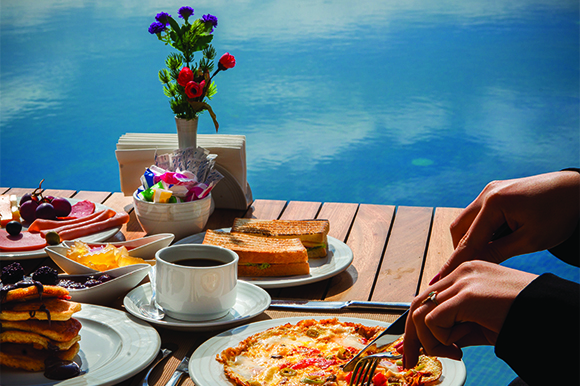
312 233
261 256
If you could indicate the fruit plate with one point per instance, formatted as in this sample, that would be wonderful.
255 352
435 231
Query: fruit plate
95 237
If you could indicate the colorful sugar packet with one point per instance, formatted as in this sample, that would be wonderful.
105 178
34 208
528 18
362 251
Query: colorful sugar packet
181 176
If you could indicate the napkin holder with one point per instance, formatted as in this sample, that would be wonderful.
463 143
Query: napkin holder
232 192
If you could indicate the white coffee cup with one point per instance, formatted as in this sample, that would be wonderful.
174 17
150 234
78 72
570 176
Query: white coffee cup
195 292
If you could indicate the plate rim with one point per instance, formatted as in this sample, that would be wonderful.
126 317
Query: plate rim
127 352
231 335
291 281
197 326
37 253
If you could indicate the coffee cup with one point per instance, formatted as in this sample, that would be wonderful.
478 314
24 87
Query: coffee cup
196 282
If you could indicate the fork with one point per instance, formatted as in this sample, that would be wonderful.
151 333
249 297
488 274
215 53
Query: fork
366 366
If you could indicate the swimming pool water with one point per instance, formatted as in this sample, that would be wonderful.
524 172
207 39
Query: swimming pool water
396 102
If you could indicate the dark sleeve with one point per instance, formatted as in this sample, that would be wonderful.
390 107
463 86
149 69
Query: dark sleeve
540 338
569 250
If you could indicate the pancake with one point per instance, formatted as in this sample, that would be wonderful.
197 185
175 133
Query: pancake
59 331
58 309
28 293
39 342
20 356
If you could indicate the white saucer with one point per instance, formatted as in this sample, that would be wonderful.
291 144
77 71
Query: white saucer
251 301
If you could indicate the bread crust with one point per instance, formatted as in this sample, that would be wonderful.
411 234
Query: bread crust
257 250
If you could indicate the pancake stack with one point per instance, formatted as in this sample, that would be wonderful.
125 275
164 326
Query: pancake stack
37 327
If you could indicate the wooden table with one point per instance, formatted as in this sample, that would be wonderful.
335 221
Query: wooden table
397 251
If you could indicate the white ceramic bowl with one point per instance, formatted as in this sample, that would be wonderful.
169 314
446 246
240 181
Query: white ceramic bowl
182 219
142 248
125 279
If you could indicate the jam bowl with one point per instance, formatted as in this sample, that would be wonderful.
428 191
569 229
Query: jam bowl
104 287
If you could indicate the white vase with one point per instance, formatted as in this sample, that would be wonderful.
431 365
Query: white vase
186 132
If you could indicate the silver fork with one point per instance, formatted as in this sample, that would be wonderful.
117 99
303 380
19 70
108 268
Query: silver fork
366 366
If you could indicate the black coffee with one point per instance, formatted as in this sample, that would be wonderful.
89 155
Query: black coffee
199 262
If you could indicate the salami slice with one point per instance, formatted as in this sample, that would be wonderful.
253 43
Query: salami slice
82 209
25 241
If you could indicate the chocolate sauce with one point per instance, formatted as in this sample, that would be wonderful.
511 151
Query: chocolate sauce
58 369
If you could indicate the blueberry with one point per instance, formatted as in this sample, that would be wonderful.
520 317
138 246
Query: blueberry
12 273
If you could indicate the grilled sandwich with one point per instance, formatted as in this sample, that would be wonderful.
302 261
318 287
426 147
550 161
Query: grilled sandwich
312 233
262 256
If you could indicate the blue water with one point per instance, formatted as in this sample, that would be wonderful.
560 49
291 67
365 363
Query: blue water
396 102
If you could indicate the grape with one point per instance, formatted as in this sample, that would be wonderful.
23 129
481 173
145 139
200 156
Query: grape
46 211
28 210
13 228
26 197
61 206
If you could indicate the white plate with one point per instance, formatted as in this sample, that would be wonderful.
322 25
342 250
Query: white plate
99 236
251 301
114 347
338 259
204 370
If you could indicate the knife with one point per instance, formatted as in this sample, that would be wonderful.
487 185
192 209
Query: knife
321 305
182 368
391 334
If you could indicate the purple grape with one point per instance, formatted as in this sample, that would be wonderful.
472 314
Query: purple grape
45 211
61 206
28 210
26 197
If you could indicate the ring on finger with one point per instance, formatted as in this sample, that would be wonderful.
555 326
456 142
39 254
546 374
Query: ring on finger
431 297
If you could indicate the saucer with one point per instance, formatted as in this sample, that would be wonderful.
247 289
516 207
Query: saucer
251 301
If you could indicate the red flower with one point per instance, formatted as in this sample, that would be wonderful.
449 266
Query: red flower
194 89
185 76
227 61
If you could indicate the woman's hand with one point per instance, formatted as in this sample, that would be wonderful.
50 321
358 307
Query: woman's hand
470 307
542 211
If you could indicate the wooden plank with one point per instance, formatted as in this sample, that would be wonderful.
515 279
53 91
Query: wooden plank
300 210
67 193
265 209
440 244
97 197
340 217
119 202
19 191
400 271
367 239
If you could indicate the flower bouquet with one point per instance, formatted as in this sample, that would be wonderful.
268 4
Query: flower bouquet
187 83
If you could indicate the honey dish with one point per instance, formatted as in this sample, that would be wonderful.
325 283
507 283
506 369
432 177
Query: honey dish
81 258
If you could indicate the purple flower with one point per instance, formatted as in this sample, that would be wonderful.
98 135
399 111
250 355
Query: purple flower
210 19
162 17
156 28
185 12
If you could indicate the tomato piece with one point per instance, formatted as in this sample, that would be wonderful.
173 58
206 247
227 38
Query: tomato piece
379 379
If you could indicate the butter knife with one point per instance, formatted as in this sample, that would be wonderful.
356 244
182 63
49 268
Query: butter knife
322 305
182 368
391 334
